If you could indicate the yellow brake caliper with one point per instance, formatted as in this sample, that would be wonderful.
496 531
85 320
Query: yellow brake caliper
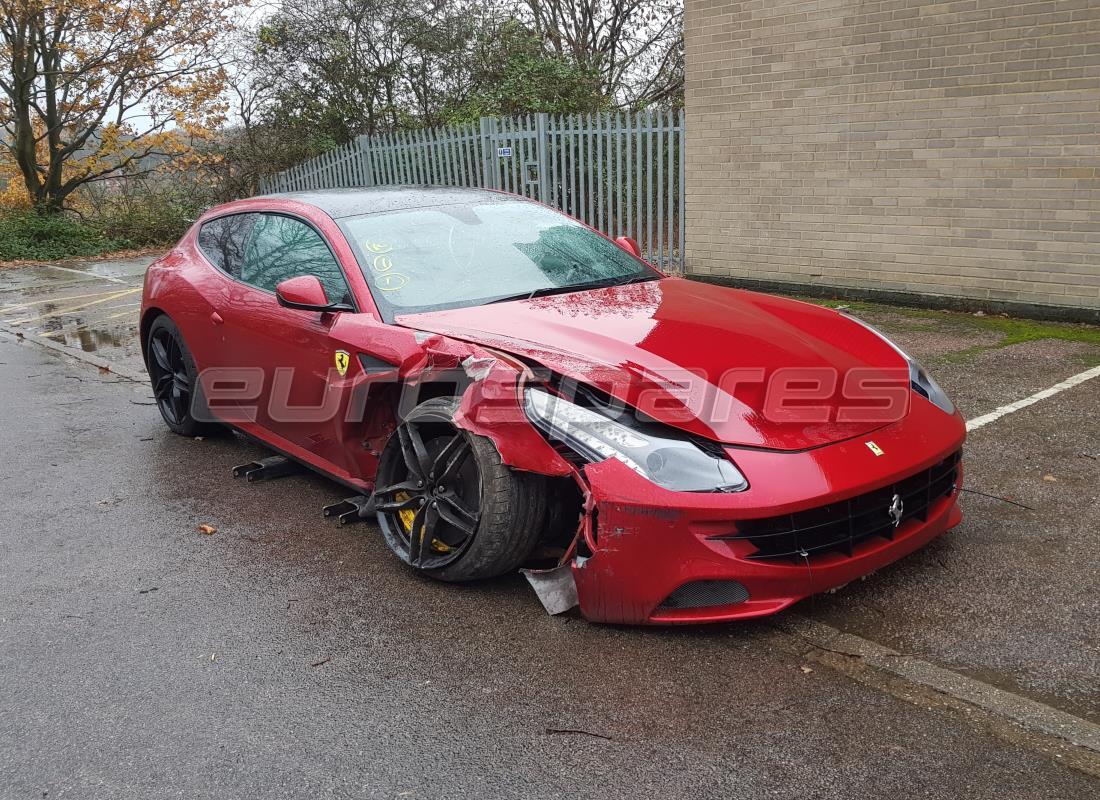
408 515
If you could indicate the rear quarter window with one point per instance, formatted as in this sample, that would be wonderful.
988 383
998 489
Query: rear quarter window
222 241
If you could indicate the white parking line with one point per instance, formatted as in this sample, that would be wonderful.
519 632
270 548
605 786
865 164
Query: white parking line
997 413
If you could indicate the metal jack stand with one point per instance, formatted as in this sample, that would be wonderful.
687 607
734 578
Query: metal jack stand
351 509
267 469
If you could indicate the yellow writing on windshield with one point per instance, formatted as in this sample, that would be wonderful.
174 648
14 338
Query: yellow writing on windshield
385 278
391 281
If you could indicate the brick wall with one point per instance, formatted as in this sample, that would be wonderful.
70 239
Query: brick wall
947 148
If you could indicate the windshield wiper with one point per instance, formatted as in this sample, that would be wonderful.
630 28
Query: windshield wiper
576 287
635 279
545 290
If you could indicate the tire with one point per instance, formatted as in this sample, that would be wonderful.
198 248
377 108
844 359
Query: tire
175 382
473 516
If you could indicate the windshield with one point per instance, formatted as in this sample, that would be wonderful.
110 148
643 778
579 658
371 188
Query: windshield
452 256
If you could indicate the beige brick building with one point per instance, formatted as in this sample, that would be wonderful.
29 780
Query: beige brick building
903 146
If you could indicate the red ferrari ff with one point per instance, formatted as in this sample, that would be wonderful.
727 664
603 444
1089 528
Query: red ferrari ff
502 386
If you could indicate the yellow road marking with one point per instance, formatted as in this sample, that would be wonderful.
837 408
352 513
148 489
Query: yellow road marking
124 313
59 311
115 308
17 306
93 323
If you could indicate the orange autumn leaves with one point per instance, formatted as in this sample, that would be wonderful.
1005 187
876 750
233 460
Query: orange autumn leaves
93 89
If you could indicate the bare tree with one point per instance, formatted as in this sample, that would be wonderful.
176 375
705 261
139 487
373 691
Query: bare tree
365 65
636 46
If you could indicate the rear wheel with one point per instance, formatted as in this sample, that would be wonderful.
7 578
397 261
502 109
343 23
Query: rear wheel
446 503
175 379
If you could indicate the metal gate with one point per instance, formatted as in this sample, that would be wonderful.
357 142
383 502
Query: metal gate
622 173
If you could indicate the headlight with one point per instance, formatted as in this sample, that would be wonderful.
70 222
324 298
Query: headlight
675 464
919 379
925 384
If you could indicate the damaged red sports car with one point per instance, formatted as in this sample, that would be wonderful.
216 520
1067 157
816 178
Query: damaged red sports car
500 386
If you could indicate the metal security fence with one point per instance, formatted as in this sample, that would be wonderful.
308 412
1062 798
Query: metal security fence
622 173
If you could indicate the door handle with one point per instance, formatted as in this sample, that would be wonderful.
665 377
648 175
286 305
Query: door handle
216 318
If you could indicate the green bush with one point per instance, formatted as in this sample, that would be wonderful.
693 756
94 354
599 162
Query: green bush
146 213
39 237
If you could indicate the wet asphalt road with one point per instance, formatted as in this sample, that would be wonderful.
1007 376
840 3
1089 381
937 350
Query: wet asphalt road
1012 596
285 656
141 658
90 306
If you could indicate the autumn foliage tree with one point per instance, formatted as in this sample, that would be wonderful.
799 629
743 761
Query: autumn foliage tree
94 89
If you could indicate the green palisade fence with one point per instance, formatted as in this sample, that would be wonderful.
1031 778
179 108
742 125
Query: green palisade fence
622 173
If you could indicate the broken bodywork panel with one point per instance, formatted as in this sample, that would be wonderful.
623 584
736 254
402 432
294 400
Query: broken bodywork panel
491 406
636 545
632 545
626 545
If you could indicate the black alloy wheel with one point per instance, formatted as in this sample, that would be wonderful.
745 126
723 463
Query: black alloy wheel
446 504
171 383
174 377
431 501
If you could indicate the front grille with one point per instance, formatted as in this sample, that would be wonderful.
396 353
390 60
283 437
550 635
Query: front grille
839 527
707 594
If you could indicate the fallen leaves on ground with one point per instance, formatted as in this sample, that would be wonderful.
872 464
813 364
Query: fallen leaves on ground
209 530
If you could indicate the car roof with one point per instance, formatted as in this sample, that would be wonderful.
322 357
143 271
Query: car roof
339 203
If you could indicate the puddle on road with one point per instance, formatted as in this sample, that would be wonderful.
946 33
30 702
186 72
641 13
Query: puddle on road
91 336
113 334
92 306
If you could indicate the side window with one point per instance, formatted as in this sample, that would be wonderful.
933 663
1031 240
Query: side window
223 240
282 247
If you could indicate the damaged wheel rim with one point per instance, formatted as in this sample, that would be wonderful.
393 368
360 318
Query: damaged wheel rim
429 493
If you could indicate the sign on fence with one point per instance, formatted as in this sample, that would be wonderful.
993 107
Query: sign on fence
622 174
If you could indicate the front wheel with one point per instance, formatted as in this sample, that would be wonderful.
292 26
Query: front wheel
446 504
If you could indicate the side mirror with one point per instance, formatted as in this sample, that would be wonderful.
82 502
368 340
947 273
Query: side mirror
306 293
629 245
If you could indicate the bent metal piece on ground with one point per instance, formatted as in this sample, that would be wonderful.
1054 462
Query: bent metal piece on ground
502 386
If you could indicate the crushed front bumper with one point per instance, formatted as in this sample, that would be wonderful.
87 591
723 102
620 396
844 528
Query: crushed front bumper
651 548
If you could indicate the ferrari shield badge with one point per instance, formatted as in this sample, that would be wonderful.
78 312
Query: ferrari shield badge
342 361
874 448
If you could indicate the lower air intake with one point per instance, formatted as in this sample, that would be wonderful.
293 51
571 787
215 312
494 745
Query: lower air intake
840 526
704 594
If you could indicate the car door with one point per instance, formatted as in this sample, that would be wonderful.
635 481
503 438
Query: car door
221 241
291 348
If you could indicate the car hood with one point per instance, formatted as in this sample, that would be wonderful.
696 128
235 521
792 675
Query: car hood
668 347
